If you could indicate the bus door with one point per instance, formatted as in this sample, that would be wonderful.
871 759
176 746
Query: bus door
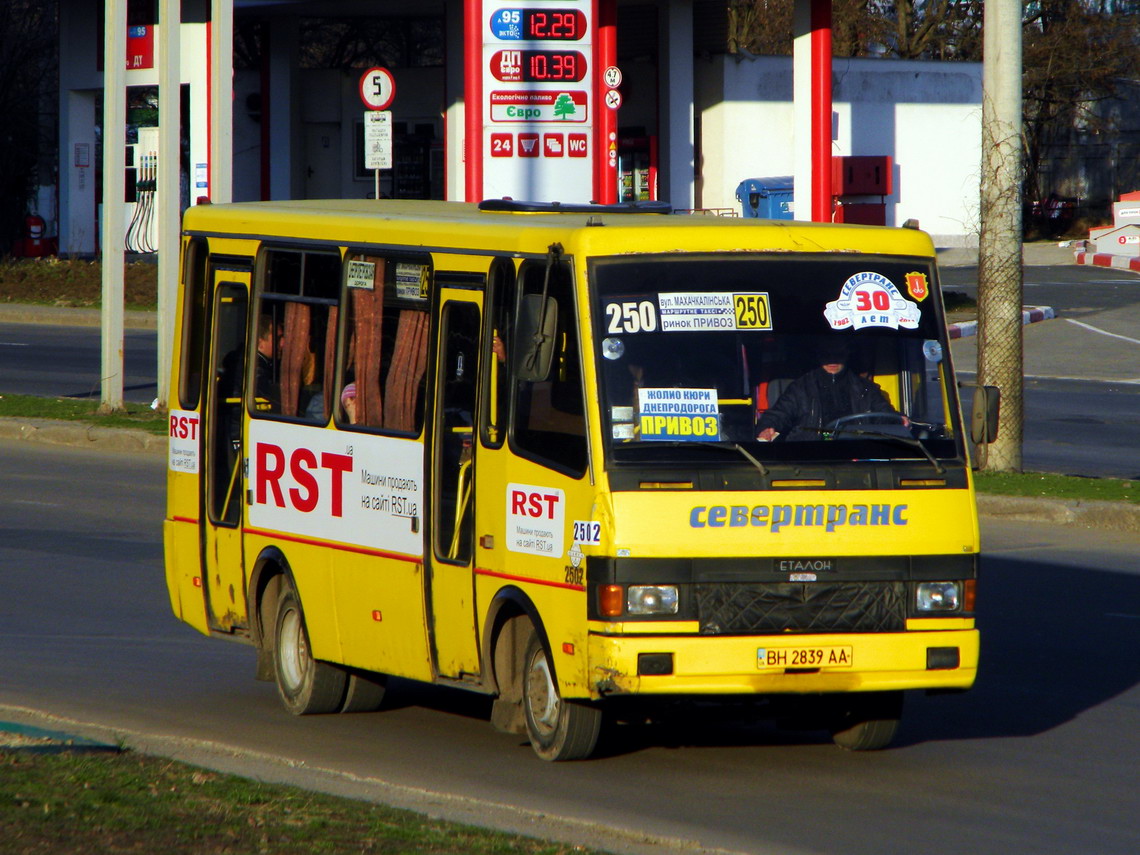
452 490
223 487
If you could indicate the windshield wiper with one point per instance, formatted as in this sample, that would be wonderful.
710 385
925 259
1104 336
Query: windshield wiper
913 442
725 446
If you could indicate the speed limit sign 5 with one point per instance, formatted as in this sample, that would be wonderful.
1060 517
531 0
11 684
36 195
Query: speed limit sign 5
377 88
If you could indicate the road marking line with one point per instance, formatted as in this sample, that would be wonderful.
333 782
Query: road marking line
1108 381
1103 332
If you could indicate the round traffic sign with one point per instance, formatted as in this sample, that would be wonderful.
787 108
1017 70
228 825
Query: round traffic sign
612 77
613 99
377 88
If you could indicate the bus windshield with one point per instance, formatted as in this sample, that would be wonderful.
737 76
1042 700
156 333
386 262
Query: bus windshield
811 357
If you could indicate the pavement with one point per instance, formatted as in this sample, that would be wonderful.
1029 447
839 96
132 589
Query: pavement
1110 515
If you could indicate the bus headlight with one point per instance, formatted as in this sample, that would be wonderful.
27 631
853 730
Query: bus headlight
939 596
651 600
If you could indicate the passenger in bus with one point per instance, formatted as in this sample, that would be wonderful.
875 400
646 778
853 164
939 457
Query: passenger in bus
821 396
312 394
266 390
348 402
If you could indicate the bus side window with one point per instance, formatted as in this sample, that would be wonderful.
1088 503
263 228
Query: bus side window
195 299
497 347
297 319
549 413
386 330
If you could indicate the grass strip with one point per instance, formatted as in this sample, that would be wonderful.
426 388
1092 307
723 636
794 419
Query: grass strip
86 410
1046 485
99 803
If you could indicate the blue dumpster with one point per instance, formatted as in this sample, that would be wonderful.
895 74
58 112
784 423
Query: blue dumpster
767 198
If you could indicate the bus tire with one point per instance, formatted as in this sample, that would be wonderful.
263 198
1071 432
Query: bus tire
866 721
559 729
306 685
364 692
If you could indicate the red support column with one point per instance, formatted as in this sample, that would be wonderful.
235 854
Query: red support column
605 124
473 99
821 203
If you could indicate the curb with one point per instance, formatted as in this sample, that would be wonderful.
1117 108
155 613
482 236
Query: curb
64 316
78 435
1117 516
1028 316
26 738
1105 259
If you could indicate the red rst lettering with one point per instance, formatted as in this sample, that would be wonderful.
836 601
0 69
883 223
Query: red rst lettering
518 502
300 462
269 475
551 501
338 465
184 427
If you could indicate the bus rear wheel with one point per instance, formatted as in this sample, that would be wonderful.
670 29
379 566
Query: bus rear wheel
306 685
866 721
559 729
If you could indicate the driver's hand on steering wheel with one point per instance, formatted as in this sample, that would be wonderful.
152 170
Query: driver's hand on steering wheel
768 434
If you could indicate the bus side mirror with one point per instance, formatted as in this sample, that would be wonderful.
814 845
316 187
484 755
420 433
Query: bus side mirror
534 332
984 418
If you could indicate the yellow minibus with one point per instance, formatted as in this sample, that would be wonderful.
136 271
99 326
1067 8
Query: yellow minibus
572 457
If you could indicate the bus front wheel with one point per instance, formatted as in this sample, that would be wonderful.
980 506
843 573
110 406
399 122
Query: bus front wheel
306 685
866 721
559 729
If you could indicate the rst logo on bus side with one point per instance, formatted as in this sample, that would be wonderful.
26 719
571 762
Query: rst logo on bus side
536 517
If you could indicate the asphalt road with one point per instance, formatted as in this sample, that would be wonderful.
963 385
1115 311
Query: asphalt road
65 361
1040 757
1082 368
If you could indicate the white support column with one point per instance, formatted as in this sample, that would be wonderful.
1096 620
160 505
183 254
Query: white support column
169 189
114 187
221 100
801 109
677 176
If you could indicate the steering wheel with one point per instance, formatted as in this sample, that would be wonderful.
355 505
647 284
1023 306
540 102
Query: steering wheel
842 421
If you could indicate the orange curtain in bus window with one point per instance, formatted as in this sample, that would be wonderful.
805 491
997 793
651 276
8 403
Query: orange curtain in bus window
293 353
368 313
406 371
330 355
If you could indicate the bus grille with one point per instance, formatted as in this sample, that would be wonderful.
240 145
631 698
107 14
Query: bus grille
736 609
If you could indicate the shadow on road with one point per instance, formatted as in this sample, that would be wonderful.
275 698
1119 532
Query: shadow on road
1055 643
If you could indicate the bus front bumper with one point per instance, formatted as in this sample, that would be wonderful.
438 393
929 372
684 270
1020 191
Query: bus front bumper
782 664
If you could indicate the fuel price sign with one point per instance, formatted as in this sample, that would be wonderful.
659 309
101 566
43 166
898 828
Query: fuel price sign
539 24
537 99
538 66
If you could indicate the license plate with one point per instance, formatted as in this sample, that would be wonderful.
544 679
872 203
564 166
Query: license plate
803 657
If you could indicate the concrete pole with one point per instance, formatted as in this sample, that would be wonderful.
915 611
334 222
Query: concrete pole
114 188
1000 275
221 100
169 189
